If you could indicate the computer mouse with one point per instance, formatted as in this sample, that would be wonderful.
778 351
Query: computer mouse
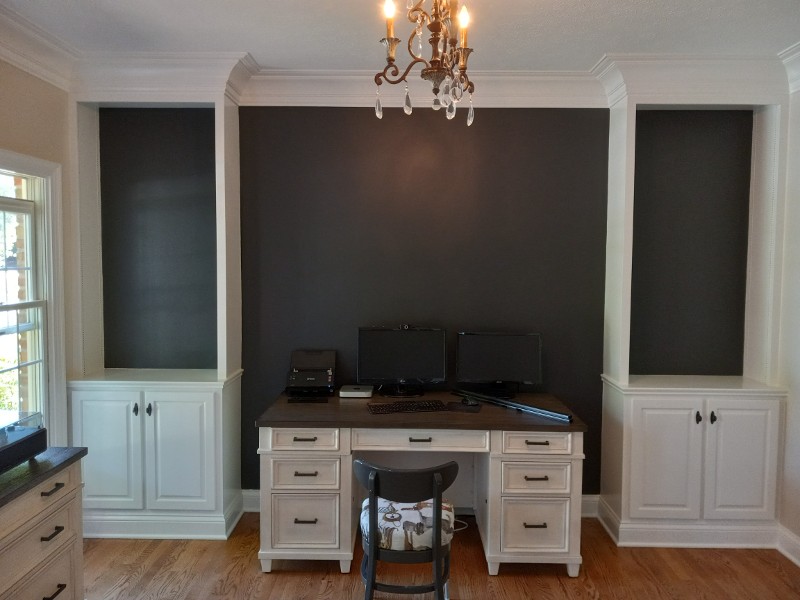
468 401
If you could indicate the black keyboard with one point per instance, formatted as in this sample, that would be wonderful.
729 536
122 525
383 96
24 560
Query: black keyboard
384 408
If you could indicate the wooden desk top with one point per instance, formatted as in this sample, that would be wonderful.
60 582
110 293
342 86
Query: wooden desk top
18 480
353 412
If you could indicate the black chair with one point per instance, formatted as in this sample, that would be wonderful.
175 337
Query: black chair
419 490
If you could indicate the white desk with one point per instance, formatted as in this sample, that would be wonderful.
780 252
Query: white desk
527 477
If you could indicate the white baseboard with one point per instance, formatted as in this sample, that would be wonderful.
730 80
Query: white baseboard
250 501
589 505
789 544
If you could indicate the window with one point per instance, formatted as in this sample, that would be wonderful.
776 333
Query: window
22 306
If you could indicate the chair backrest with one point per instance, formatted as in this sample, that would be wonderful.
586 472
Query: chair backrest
405 485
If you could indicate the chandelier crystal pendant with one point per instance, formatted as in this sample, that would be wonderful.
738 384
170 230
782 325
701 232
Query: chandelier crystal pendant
446 69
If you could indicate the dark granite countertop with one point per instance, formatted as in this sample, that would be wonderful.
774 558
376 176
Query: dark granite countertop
18 480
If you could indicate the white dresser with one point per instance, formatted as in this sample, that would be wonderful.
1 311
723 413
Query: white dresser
41 536
526 490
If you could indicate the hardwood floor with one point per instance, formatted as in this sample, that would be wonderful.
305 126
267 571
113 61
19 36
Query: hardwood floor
214 570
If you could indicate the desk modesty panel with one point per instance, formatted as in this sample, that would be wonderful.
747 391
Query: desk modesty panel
527 476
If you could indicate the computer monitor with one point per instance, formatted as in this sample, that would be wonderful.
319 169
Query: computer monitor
497 364
403 360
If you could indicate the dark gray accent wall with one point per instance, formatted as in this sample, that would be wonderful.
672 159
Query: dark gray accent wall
159 231
691 203
350 221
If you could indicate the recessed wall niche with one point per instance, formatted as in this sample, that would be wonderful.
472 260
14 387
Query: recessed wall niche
690 235
158 237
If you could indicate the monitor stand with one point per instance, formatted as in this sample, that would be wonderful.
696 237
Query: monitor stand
401 390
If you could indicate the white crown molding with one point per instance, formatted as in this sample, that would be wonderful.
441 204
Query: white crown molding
30 49
154 77
791 61
693 80
358 88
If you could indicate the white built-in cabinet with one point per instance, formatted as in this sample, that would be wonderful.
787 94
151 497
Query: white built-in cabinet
693 461
163 453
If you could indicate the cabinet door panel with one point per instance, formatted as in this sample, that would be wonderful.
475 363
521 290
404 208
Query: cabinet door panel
180 441
741 458
666 458
107 423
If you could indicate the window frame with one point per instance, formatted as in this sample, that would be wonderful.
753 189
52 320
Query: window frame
47 202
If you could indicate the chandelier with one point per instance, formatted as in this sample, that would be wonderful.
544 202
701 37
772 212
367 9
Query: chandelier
446 69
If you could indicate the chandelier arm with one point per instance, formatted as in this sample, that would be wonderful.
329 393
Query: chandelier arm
416 12
393 70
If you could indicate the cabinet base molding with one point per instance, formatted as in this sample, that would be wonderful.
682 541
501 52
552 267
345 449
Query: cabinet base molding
688 534
789 544
136 525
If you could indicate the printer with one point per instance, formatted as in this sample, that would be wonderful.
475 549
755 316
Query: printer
311 373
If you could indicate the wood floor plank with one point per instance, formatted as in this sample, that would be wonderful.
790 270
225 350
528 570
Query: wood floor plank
230 570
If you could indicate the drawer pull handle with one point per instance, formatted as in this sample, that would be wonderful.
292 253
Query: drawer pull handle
58 530
713 417
299 474
302 439
305 522
149 409
535 443
61 587
427 439
544 478
56 487
535 525
135 409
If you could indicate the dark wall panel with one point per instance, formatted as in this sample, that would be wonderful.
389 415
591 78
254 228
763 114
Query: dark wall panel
159 232
691 199
349 221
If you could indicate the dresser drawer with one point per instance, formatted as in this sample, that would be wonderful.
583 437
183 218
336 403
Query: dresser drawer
298 473
305 520
456 440
39 499
38 542
539 442
534 524
536 477
54 580
314 439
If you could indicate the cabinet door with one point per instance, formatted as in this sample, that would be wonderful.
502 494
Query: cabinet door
666 457
741 458
109 424
180 442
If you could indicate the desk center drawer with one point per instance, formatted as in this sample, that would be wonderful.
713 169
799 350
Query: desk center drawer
304 473
457 440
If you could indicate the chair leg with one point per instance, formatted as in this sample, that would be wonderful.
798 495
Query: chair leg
369 570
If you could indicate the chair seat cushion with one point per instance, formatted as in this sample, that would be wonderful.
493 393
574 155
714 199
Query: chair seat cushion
407 526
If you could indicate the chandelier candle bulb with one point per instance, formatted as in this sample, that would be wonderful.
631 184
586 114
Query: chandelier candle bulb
388 11
463 23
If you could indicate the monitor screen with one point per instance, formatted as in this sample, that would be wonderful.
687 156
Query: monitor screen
405 355
488 358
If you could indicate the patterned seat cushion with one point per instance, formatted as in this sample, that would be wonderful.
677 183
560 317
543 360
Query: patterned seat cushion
407 526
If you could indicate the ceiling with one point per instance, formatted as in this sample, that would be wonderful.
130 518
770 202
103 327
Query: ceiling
507 35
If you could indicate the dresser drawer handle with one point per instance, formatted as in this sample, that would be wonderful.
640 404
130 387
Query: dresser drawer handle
534 525
305 522
61 587
544 478
299 474
302 439
427 439
56 487
530 443
58 530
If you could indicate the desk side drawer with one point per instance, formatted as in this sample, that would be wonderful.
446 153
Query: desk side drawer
537 442
56 579
43 497
39 542
534 525
303 439
536 477
309 473
456 440
305 520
